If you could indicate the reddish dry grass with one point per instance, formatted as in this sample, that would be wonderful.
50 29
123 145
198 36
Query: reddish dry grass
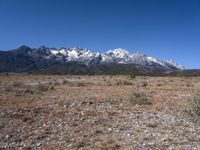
55 93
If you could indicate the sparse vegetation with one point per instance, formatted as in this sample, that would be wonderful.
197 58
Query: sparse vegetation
139 98
144 84
110 145
42 87
119 82
127 83
18 84
92 112
132 76
159 84
196 107
123 82
189 84
65 82
79 84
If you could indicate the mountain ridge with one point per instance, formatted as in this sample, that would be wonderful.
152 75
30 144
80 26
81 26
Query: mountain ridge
25 59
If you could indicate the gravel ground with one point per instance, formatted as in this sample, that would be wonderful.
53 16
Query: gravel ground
60 118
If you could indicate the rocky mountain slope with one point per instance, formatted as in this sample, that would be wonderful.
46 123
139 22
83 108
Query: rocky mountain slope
79 60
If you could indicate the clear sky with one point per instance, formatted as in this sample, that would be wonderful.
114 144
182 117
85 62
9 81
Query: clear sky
160 28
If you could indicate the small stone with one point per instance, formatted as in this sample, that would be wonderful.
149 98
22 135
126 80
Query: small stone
51 88
7 136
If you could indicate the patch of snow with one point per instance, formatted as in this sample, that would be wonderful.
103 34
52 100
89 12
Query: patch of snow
119 55
155 60
72 54
175 64
54 52
63 51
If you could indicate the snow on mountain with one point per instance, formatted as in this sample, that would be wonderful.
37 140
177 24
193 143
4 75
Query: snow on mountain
119 56
119 53
73 54
63 51
116 56
151 59
174 64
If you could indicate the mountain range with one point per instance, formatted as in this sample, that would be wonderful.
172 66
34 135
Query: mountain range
82 61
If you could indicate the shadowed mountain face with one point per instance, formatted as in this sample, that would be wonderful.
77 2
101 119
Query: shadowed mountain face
82 61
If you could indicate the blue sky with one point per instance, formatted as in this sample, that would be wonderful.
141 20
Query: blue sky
166 29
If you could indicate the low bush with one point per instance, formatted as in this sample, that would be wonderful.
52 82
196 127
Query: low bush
144 84
127 83
42 87
139 99
132 76
65 81
80 84
18 84
196 105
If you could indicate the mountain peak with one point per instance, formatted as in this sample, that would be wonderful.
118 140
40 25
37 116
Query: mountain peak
87 57
23 47
118 53
120 50
43 47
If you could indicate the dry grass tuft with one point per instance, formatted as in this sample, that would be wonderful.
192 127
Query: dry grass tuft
110 145
65 82
196 106
144 84
42 87
127 83
139 98
18 84
132 76
90 113
79 84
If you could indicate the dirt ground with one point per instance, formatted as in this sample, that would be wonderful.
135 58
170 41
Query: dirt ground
98 112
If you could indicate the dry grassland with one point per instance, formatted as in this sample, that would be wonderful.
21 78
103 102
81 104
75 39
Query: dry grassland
98 112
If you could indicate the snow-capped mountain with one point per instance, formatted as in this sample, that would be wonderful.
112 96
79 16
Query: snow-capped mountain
118 56
25 59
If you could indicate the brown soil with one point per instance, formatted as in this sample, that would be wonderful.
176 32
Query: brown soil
97 112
